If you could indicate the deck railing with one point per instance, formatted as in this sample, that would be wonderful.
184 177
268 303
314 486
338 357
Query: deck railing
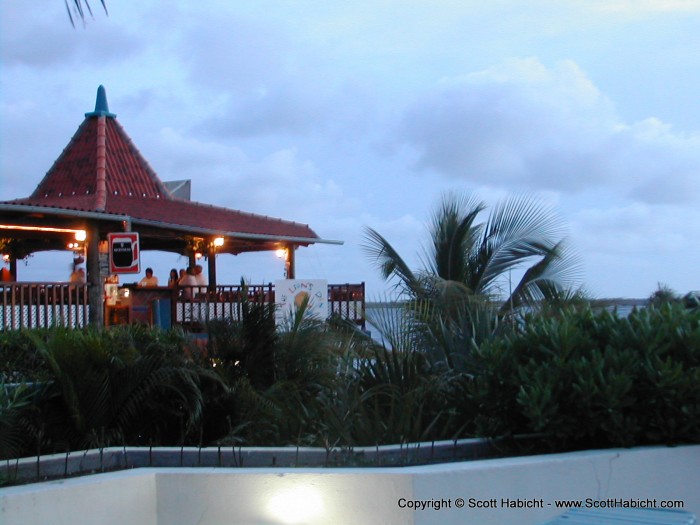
195 306
42 305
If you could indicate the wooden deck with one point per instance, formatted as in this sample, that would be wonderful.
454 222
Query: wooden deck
43 304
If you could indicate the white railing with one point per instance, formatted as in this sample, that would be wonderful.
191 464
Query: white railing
42 305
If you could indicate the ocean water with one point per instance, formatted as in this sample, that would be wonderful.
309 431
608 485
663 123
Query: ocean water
391 312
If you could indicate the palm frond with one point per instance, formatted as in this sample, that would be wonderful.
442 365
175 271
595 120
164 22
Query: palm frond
396 326
15 401
518 230
389 261
552 278
76 7
453 235
63 379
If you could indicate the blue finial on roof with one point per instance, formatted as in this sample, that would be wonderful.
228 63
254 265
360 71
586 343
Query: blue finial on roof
101 106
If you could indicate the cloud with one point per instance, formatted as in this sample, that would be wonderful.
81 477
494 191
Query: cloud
233 53
45 39
635 246
526 126
633 230
666 166
278 183
262 79
288 110
643 7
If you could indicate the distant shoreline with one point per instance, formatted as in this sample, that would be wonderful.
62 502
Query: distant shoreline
615 301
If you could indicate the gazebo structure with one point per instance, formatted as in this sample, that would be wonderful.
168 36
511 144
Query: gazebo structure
101 184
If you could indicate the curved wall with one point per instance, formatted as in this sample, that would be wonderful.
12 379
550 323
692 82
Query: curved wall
520 491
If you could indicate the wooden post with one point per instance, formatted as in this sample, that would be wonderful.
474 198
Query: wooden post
13 267
211 267
94 279
290 262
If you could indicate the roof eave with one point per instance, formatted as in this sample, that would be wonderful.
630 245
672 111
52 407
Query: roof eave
50 210
235 234
104 216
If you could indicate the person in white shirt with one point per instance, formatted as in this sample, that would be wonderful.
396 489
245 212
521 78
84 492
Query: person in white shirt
187 281
150 280
201 280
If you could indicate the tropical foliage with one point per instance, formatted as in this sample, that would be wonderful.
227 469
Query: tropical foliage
666 295
463 295
575 377
116 387
467 257
591 379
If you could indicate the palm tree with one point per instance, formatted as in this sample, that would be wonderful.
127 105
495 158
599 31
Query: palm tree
470 259
455 299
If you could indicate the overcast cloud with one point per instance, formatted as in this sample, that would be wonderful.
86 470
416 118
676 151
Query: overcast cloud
350 114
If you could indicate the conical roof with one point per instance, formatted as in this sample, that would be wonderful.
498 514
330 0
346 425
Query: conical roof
72 180
101 156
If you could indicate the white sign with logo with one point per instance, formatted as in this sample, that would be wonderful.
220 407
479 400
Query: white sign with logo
290 294
124 256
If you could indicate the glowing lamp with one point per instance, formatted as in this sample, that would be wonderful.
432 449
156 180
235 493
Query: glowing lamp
281 253
296 505
218 242
80 235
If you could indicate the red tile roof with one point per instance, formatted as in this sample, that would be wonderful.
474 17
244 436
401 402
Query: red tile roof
134 189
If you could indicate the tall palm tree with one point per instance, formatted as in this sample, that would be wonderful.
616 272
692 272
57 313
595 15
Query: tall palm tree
469 260
454 299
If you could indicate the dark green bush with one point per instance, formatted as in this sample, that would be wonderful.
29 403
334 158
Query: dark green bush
127 385
19 359
389 397
592 379
577 377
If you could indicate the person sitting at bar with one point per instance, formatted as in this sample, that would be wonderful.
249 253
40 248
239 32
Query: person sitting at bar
187 282
150 280
173 278
201 280
77 276
5 275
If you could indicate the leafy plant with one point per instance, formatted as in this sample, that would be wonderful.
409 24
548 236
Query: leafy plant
104 390
591 379
466 257
15 401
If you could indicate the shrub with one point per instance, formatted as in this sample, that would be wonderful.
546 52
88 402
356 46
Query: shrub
127 385
593 379
19 359
578 377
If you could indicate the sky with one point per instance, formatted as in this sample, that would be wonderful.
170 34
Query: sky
347 115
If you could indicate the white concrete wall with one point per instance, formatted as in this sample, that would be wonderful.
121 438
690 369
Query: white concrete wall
656 473
271 496
186 496
124 498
